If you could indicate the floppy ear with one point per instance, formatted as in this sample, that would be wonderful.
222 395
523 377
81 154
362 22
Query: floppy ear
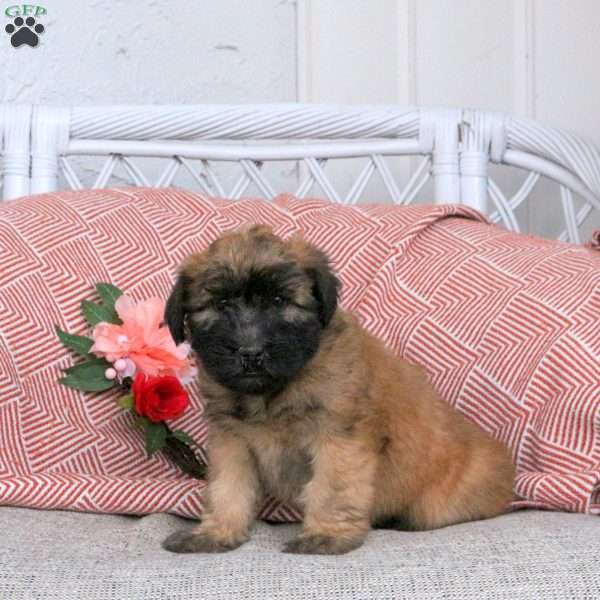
325 284
325 288
175 310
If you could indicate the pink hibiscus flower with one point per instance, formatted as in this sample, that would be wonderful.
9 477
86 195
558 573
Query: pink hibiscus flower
140 343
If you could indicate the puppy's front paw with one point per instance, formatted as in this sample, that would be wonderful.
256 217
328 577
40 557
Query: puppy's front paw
187 541
322 544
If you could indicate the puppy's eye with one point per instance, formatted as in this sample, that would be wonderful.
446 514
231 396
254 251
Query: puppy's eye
223 304
278 301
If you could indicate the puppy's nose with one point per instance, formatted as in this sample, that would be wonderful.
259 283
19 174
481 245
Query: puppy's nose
252 358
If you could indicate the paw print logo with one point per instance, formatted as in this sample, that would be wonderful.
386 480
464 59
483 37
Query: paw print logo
24 32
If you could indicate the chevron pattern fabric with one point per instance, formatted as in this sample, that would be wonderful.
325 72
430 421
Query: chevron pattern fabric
507 326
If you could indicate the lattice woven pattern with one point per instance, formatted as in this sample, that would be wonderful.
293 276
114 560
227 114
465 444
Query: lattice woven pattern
506 325
208 179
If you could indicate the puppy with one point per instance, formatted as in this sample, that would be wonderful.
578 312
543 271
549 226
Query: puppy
307 406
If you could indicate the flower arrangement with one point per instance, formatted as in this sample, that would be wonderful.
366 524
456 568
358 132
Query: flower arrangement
132 349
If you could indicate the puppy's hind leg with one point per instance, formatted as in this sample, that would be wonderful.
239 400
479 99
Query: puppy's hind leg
232 496
480 488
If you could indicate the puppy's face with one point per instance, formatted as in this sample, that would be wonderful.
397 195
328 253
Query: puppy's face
253 307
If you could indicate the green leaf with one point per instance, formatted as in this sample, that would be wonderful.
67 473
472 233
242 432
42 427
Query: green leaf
156 437
97 313
182 436
90 385
109 294
126 401
94 368
88 376
79 343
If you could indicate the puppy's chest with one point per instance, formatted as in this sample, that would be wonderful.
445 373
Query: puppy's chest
283 460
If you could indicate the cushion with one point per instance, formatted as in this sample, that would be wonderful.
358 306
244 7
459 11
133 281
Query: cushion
68 556
506 325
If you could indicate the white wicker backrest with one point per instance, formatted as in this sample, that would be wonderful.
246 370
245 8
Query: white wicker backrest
456 147
15 157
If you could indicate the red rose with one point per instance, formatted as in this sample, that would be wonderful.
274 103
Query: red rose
159 398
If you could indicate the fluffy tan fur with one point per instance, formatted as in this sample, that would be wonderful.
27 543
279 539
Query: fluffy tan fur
358 438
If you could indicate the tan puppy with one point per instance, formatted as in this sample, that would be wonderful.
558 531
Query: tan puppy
307 406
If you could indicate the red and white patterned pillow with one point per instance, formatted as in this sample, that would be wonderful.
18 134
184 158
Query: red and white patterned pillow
507 325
